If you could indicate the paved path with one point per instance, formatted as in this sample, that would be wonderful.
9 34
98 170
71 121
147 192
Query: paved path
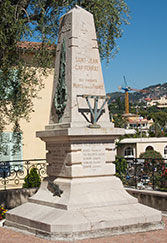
160 236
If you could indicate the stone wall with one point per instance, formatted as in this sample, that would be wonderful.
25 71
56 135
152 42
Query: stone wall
154 199
12 198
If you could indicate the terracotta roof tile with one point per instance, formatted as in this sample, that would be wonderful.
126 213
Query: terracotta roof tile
27 45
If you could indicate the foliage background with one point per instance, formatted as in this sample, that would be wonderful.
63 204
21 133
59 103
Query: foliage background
26 20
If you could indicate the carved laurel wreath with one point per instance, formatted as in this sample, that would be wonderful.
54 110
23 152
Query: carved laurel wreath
60 97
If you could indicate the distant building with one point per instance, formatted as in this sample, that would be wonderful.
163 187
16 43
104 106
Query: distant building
159 102
133 147
137 122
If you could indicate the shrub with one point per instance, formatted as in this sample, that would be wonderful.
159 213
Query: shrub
121 168
32 179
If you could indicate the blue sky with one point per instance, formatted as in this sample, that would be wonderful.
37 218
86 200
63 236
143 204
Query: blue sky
142 57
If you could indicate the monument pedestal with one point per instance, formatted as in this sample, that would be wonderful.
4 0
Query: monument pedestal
88 208
82 198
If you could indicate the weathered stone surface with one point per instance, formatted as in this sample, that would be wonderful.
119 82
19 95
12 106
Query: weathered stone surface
77 152
83 74
81 152
88 207
154 199
83 193
14 197
69 225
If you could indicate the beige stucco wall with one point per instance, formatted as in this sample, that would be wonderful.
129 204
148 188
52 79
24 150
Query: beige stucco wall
157 146
140 147
34 148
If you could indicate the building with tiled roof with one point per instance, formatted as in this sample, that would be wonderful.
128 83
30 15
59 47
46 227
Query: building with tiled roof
159 102
137 122
27 45
32 147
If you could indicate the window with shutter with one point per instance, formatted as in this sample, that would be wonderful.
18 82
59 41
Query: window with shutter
7 155
128 152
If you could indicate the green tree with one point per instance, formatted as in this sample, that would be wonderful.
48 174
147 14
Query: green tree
159 128
150 154
159 116
23 19
155 130
119 121
116 109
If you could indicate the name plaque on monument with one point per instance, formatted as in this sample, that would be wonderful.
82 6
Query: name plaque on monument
57 156
93 157
89 66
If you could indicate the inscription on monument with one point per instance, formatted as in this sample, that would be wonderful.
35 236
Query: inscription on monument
57 157
93 157
87 86
87 65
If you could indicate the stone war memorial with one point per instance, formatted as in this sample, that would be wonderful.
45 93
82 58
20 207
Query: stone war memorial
81 197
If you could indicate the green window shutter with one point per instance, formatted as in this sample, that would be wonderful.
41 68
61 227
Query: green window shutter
7 154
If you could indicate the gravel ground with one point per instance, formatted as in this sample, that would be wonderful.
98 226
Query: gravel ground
8 235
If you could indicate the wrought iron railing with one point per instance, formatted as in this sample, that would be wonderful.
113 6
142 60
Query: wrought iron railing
143 173
134 172
13 173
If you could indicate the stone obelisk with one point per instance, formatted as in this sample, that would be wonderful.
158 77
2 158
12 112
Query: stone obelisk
81 197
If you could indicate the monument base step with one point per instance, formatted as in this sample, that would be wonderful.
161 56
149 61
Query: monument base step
74 193
68 225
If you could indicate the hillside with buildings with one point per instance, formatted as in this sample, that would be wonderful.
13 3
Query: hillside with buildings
150 92
144 111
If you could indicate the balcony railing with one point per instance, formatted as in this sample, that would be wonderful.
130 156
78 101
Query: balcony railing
149 174
12 173
134 172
